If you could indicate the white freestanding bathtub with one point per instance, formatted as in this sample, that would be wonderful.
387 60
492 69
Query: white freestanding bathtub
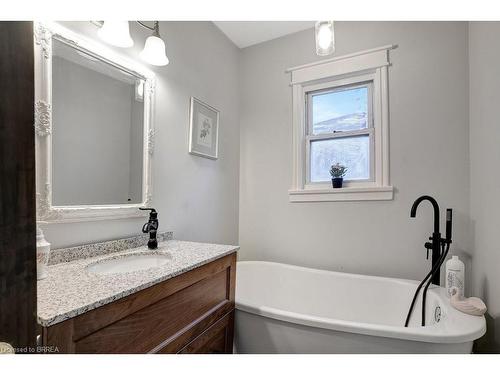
288 309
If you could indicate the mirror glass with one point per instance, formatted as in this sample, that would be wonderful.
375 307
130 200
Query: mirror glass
98 130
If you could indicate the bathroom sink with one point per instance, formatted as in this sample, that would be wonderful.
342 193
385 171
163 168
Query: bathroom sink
129 263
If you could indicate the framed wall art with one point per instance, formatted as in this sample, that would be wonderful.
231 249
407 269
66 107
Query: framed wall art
203 130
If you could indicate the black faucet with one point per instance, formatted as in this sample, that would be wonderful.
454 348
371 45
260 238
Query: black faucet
439 246
435 245
151 227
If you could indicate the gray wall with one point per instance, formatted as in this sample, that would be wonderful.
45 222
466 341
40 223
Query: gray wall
428 153
197 198
484 55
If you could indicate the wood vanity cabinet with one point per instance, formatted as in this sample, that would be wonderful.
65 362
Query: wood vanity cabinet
190 313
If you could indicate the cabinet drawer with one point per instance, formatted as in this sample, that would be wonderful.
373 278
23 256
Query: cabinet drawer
217 339
143 330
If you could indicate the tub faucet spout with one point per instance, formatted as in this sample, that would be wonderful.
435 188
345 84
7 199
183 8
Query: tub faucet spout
435 244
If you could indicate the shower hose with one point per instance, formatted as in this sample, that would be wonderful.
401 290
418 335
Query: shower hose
428 278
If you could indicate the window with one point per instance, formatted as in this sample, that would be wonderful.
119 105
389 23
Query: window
341 115
340 130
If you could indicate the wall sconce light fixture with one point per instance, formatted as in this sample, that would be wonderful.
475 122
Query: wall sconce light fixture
154 51
117 33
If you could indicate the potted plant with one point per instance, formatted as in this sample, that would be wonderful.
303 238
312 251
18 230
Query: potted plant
337 171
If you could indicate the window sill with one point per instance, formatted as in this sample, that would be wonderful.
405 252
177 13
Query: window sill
375 193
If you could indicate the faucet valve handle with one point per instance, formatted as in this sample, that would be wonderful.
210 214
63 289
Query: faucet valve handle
428 246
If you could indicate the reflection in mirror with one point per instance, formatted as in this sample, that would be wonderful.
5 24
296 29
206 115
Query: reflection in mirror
98 126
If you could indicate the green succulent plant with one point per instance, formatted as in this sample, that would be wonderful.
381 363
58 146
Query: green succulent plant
338 170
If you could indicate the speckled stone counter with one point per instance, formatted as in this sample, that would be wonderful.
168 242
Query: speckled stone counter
70 290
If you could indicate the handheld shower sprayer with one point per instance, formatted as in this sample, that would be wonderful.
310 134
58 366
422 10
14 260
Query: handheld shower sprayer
449 216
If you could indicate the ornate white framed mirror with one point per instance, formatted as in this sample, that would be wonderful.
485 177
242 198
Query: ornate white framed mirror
93 129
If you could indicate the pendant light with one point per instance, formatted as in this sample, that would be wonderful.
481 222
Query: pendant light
325 38
116 33
154 51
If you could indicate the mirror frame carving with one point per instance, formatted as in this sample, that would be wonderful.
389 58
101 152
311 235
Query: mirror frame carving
44 34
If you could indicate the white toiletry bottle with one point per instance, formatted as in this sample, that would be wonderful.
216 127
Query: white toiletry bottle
455 276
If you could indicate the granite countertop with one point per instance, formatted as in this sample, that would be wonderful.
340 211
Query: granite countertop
70 290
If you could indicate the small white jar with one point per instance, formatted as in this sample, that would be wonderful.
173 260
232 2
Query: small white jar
42 254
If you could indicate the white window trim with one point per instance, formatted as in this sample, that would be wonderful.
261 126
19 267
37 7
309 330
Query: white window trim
369 65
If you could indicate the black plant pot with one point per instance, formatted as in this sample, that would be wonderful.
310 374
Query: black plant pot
337 182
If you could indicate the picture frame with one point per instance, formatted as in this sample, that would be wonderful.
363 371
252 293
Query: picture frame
203 130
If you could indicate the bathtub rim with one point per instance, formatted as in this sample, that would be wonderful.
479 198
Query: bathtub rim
455 327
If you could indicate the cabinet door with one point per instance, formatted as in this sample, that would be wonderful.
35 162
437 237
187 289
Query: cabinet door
17 189
218 339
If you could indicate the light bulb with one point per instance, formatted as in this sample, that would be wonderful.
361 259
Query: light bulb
154 51
325 38
116 33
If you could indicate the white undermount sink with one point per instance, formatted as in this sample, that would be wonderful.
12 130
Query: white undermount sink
129 263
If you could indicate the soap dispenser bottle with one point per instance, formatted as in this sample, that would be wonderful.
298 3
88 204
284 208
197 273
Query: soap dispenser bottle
42 254
455 276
